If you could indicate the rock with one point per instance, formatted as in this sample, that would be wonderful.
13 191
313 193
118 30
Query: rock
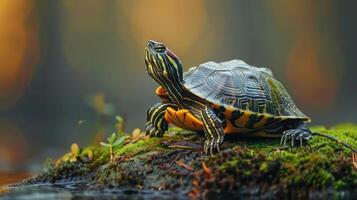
245 167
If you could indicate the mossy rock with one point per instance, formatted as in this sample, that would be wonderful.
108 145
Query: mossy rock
246 166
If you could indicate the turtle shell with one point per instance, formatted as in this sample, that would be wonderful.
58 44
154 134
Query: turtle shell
235 85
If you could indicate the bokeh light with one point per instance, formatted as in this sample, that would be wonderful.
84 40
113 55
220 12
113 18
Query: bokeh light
314 63
310 76
18 49
178 23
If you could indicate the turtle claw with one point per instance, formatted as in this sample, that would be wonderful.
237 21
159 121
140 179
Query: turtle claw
152 131
217 147
302 136
206 146
212 146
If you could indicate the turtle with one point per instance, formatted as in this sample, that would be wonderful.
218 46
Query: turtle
221 99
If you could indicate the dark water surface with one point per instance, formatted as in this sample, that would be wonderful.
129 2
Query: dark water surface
80 190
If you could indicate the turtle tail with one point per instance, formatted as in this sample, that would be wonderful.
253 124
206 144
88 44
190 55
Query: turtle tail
345 144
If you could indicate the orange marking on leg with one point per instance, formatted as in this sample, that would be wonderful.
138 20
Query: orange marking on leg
170 115
193 123
183 119
181 115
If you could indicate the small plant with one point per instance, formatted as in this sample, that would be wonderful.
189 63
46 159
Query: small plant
119 125
87 155
137 134
113 141
73 156
77 154
75 151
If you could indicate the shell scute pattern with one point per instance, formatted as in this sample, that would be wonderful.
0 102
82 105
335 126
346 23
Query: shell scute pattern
239 86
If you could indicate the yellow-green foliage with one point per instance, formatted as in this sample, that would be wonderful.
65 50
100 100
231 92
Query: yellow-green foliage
140 146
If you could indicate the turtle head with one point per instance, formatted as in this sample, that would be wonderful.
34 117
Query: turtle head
162 65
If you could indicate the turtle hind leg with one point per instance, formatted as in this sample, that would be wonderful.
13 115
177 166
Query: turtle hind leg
301 134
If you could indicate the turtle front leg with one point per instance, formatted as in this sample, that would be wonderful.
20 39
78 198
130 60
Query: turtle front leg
213 129
301 134
156 125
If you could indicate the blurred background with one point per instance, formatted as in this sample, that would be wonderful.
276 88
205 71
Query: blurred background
68 67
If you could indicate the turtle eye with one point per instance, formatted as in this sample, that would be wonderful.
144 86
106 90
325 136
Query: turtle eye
160 48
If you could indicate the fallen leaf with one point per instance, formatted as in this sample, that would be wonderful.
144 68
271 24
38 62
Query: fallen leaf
184 165
194 193
195 182
206 169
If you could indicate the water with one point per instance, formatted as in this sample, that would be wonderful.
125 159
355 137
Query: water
80 190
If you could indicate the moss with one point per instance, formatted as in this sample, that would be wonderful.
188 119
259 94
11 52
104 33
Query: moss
324 164
246 166
138 147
